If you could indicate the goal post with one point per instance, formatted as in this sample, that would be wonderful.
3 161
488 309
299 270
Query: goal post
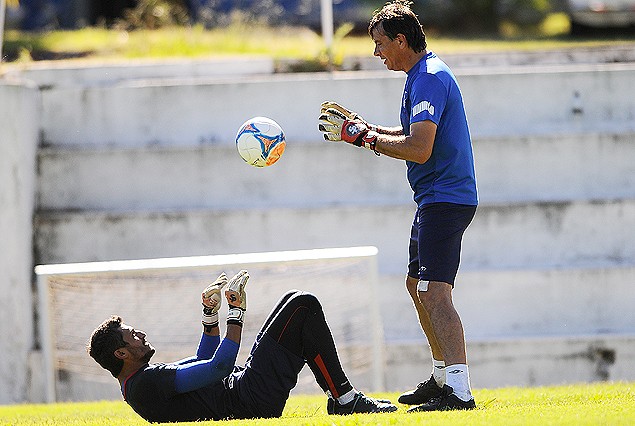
162 297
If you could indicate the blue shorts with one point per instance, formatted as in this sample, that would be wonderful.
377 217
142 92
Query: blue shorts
435 241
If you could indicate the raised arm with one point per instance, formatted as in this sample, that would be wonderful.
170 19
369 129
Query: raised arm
210 338
196 373
337 123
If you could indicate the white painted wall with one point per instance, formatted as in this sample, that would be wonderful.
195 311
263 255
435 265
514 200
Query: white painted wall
535 361
19 116
48 74
527 303
147 168
208 112
512 169
502 236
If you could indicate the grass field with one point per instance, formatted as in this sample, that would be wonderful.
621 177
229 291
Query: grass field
585 404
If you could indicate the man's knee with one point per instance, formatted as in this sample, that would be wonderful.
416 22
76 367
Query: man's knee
311 299
305 298
435 294
289 294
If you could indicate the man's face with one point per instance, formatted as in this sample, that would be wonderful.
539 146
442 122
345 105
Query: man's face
137 346
391 51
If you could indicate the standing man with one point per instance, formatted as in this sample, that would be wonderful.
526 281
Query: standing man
434 139
209 386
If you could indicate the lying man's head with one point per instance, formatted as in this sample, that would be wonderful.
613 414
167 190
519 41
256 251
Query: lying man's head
113 342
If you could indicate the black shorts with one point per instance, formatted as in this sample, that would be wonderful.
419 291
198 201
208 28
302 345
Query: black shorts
435 241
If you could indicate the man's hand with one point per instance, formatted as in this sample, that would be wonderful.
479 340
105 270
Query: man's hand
211 297
350 115
237 298
337 127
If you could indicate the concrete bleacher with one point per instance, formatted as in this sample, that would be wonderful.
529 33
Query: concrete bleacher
147 168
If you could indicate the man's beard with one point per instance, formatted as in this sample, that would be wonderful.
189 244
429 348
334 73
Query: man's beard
148 355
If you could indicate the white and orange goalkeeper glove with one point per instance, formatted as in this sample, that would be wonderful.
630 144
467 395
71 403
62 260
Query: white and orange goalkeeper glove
237 298
350 115
335 126
212 301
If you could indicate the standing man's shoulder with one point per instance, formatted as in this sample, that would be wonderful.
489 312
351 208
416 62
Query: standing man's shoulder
437 67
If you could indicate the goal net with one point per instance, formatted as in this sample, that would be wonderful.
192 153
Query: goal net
162 298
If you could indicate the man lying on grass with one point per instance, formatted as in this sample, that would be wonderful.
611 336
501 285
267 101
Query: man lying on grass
209 386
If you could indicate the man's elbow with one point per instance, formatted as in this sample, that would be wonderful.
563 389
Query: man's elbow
224 369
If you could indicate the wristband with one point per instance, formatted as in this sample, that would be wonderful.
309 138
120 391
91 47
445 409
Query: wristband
359 134
235 316
369 140
209 317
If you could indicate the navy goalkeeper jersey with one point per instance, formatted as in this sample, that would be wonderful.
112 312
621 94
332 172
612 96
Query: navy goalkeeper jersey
260 389
432 93
151 392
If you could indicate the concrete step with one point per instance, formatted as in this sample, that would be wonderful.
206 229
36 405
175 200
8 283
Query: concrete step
538 361
524 235
506 59
563 99
524 303
215 177
91 72
521 169
493 364
56 74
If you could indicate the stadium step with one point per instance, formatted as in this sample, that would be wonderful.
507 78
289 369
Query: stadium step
558 100
516 58
522 235
49 75
535 361
520 303
519 169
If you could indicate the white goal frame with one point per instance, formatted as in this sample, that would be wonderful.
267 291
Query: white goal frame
46 324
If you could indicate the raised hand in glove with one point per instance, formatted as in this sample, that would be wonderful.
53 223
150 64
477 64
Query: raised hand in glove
211 297
335 126
237 298
350 115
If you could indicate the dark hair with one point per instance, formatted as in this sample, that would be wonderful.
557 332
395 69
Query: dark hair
104 341
397 17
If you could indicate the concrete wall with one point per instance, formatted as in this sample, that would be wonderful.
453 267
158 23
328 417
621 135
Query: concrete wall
511 169
571 234
47 74
536 361
207 111
19 116
147 168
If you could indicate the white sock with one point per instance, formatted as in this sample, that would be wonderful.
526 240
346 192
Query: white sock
347 397
457 377
438 372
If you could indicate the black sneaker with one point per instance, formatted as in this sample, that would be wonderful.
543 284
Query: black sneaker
424 392
447 401
360 404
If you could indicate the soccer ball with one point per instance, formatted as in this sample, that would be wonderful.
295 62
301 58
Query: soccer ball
260 141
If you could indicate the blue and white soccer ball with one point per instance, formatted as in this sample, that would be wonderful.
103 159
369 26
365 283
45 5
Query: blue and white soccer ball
260 141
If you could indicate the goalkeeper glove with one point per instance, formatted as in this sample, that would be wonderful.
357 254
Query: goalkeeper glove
237 298
336 127
350 115
212 302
